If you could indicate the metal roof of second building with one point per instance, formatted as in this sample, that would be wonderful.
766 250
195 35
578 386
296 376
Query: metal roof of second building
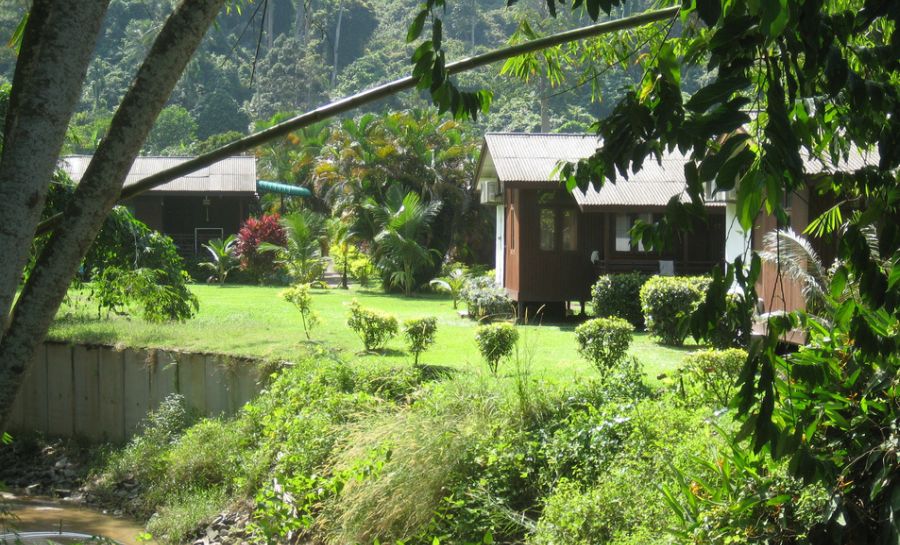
533 158
231 175
524 157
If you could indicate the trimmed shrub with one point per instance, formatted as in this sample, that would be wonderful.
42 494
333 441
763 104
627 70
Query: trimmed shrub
709 376
495 342
373 327
485 299
619 295
668 301
419 333
604 341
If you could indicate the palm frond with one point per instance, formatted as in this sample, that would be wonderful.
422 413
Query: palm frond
798 260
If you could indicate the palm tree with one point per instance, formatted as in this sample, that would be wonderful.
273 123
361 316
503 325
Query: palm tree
452 283
223 260
400 245
302 252
797 260
341 239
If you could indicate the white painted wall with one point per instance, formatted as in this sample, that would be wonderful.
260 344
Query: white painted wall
737 242
500 247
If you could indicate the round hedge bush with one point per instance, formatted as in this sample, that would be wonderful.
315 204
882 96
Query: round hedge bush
495 342
667 303
604 341
373 327
619 295
710 376
419 333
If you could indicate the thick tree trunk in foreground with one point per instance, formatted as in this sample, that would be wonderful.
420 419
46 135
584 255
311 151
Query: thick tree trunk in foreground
99 190
56 49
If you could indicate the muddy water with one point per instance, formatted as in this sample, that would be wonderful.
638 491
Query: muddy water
43 515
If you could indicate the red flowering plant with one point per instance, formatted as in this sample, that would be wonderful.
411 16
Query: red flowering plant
255 231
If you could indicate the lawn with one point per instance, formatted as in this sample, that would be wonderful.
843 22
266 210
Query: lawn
255 321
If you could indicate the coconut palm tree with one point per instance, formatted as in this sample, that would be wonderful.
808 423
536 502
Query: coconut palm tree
401 249
222 258
302 252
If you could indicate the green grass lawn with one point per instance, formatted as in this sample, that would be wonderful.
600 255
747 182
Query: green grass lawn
255 321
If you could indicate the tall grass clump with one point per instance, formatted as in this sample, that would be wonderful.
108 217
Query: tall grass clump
419 452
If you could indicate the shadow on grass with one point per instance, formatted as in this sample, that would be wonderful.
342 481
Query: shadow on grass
430 372
382 352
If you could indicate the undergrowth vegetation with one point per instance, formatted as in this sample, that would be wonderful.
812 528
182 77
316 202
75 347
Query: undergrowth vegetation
333 452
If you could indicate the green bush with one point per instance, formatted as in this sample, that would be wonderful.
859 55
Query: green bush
733 328
619 295
373 327
151 292
709 376
205 455
495 342
743 494
607 498
485 299
419 333
604 341
396 469
668 301
363 270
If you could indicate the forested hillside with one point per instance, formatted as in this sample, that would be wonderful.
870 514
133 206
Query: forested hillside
293 55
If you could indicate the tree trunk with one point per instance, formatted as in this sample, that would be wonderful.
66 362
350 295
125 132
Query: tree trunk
544 90
98 190
56 49
270 24
300 22
473 8
337 43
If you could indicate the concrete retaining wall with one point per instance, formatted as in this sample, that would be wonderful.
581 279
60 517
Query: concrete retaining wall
102 394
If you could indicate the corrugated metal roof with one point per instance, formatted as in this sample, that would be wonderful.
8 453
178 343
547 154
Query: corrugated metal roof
529 157
524 157
855 160
536 157
232 175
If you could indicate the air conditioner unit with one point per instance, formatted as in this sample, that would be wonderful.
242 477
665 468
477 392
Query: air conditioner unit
712 195
490 192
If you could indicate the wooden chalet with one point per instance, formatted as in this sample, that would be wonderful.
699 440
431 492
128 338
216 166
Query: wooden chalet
551 244
210 203
776 292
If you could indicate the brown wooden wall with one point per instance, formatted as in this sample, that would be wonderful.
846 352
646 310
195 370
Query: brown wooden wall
512 240
535 275
557 275
775 291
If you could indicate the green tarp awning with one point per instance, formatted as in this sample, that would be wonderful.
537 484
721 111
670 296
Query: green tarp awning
264 186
